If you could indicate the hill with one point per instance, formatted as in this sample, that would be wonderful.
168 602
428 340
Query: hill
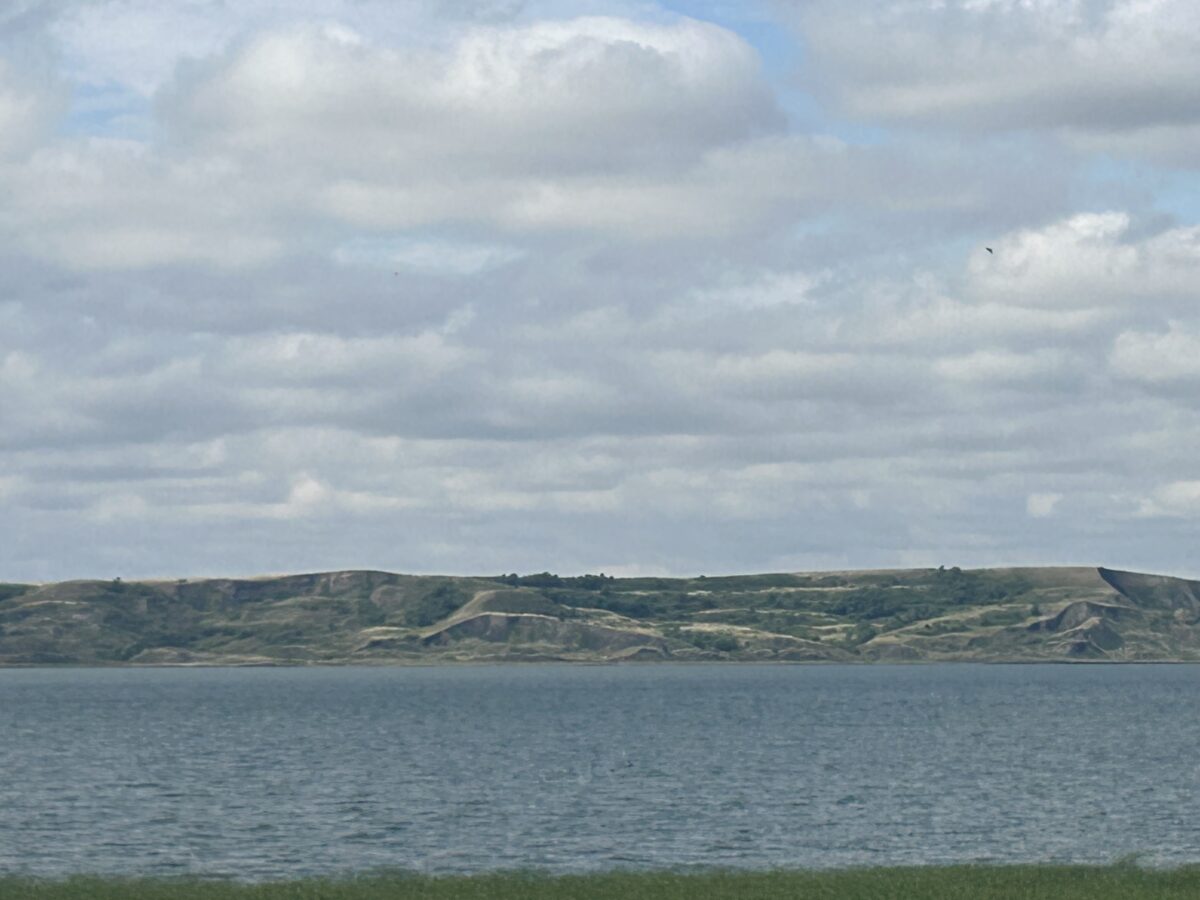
365 617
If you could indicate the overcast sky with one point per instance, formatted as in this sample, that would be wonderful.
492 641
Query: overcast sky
681 288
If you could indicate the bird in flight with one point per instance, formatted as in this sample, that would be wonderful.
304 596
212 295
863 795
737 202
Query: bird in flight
988 249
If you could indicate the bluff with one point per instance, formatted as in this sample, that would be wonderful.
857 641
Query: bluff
367 617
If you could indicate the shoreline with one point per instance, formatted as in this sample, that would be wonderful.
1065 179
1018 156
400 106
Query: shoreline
1124 880
608 663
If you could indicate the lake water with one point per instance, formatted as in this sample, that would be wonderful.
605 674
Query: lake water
274 773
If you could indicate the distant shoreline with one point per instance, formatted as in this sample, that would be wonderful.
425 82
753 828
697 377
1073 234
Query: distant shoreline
602 663
362 617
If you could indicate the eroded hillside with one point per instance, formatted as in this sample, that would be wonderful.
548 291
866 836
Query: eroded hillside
379 618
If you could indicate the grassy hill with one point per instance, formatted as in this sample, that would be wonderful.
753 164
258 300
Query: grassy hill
995 615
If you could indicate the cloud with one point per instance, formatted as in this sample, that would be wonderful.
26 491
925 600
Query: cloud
1089 260
27 110
1041 506
596 123
1176 499
1159 358
277 134
791 377
479 287
581 95
139 44
433 256
1103 72
328 359
112 204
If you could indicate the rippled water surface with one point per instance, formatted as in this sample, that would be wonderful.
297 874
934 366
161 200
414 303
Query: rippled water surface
272 773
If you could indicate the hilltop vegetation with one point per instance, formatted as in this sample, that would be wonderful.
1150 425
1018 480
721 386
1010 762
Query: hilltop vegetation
938 614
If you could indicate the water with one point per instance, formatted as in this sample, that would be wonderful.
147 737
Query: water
275 773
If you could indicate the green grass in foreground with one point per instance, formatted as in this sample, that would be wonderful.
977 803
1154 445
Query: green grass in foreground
1119 882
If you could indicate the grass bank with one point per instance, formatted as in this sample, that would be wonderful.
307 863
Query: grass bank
1119 882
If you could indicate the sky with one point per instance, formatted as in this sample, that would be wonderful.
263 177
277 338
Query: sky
481 286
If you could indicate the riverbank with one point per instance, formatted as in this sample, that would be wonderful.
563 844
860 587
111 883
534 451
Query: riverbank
1116 882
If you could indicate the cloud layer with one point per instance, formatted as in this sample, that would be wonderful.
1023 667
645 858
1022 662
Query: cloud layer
505 287
1120 76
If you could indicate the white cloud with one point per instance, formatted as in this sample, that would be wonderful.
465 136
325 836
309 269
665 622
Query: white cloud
767 289
1003 367
789 377
432 256
1041 506
10 485
1088 260
466 287
1175 499
112 204
1096 71
307 492
139 44
933 317
1159 357
595 124
642 130
110 508
328 359
590 94
27 109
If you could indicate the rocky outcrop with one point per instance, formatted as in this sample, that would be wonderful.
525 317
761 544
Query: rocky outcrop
531 628
1075 614
1087 629
1093 638
1154 591
892 651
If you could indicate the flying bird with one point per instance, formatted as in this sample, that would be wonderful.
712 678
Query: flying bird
988 249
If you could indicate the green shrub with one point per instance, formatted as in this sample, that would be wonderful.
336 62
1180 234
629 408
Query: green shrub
434 606
1001 617
9 591
707 640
